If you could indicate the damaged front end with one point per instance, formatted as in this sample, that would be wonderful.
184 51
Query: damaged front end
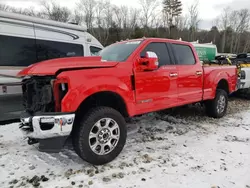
43 122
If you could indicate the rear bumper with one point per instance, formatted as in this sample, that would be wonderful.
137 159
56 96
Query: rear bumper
45 126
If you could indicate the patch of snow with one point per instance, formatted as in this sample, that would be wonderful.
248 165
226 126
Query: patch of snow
161 151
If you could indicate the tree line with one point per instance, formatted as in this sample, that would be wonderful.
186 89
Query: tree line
110 23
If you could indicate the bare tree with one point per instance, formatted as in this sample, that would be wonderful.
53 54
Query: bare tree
223 22
233 24
78 17
104 20
147 8
118 15
126 19
87 8
194 20
28 11
243 17
133 19
233 16
108 19
4 7
247 43
182 22
54 11
109 23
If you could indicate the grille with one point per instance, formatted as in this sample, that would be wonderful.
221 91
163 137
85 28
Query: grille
38 95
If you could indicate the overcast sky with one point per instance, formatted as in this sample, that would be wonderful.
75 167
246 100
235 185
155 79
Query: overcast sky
208 9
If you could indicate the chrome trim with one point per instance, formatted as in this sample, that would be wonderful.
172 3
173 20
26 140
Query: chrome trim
25 120
62 126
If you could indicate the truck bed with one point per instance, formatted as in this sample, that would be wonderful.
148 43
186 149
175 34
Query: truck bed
213 74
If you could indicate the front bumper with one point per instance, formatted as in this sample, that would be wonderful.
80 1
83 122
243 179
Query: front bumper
242 85
45 126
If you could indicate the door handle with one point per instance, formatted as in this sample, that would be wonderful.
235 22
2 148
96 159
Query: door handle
173 74
198 72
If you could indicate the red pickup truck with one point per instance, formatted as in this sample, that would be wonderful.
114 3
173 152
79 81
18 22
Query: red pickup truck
89 98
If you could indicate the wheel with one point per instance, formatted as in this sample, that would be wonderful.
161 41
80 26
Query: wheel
100 136
217 107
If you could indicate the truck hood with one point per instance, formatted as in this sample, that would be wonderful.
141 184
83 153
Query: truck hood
54 66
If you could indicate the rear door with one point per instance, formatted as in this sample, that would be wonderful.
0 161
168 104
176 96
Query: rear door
190 75
156 89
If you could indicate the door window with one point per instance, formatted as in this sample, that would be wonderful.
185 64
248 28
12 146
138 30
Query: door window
17 51
94 50
161 50
184 54
53 49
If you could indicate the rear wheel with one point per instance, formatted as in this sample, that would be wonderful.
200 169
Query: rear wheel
217 107
100 136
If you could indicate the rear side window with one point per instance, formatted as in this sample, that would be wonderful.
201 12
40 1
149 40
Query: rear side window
52 49
160 48
184 54
17 51
94 50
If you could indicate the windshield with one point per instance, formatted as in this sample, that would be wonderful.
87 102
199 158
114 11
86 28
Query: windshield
119 51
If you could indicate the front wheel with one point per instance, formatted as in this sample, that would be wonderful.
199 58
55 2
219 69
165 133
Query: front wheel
217 107
100 136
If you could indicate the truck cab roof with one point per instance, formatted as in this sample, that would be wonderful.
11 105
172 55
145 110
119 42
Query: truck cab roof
144 39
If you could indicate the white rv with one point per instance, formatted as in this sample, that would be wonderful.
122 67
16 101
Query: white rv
25 40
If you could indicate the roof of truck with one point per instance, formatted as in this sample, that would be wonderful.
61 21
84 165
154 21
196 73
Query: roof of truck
157 40
20 17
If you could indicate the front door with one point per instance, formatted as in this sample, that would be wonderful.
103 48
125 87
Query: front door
156 90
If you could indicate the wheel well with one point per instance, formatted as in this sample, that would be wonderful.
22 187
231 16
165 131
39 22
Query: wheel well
104 98
223 84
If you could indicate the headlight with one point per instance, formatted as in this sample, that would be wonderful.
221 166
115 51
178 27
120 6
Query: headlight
60 88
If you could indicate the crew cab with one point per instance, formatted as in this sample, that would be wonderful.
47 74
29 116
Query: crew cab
89 98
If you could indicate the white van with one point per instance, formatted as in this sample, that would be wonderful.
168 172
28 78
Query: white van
25 40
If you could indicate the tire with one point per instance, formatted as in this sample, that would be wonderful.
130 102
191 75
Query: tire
82 141
213 105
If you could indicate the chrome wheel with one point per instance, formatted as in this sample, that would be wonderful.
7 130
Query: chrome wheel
104 136
221 104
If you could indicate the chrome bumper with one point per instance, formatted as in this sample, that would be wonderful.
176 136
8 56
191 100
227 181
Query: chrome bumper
47 126
241 85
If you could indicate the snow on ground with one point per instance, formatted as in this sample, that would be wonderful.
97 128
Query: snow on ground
182 149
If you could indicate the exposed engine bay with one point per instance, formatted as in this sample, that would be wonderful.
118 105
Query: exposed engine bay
38 95
42 121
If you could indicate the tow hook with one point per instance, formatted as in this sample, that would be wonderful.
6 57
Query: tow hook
32 141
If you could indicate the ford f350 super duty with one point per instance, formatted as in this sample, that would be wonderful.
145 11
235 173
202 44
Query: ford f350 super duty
89 98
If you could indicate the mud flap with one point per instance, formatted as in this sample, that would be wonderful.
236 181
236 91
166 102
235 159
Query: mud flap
52 145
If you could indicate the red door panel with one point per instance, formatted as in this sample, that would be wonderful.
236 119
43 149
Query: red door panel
189 83
157 89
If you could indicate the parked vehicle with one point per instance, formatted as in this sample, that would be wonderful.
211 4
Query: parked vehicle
206 51
89 98
243 63
25 40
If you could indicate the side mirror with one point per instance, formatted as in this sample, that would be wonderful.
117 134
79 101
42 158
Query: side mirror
149 62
